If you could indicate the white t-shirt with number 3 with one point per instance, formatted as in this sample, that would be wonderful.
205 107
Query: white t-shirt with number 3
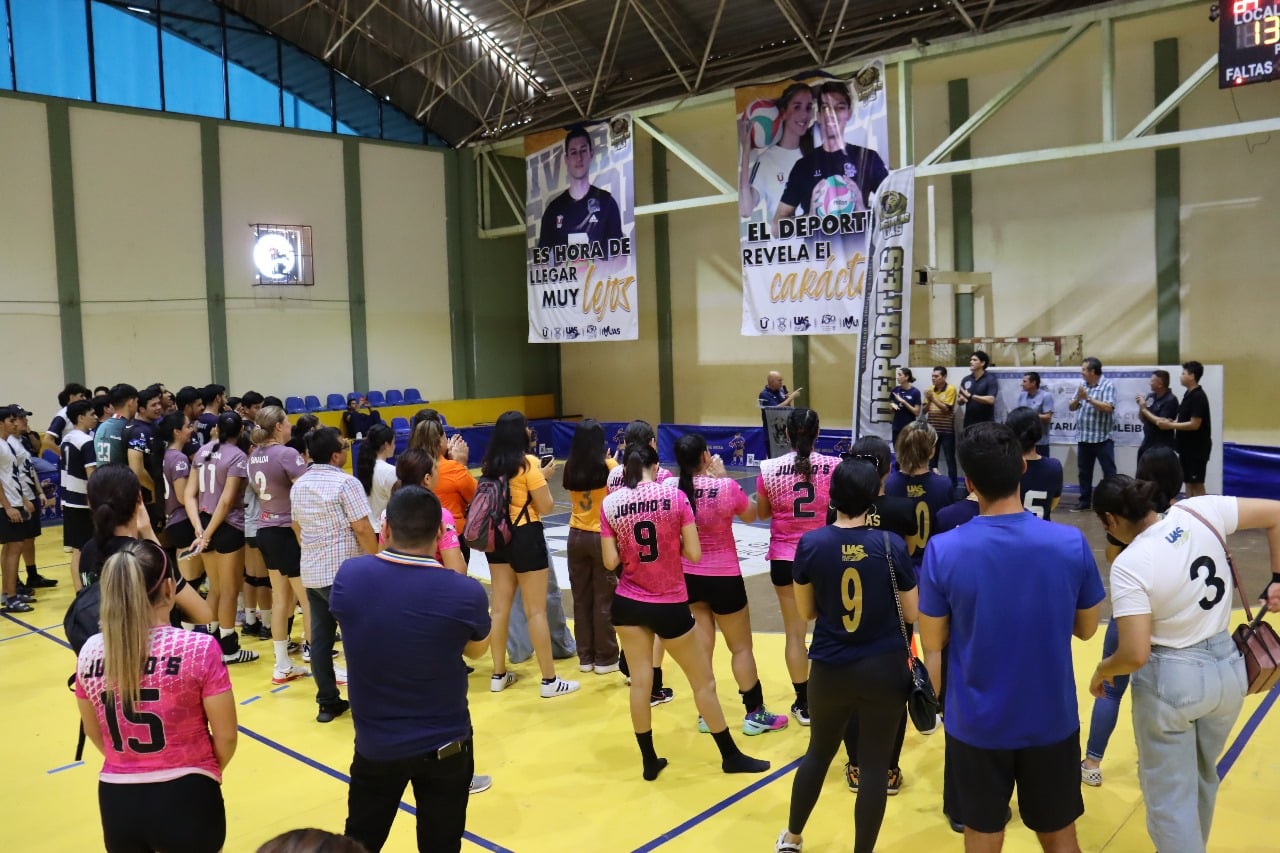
1176 571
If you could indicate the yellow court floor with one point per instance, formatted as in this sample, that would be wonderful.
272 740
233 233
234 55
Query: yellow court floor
566 771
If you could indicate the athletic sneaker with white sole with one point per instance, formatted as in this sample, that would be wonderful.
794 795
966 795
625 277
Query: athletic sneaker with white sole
761 721
559 687
785 846
480 784
284 676
499 683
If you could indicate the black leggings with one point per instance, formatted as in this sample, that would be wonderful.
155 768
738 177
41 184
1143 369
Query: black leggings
852 734
876 689
182 814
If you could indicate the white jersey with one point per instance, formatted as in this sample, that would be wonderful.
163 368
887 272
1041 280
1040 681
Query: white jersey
1176 571
770 169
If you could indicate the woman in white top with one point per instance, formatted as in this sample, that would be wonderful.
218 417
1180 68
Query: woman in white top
375 473
1171 597
763 173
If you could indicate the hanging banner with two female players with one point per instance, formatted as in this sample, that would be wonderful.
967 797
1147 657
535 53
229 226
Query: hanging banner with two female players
580 220
812 153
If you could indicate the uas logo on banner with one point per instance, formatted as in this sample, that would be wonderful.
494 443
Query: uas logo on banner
580 220
812 155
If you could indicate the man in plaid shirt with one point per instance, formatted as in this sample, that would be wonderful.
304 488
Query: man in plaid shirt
1095 400
331 518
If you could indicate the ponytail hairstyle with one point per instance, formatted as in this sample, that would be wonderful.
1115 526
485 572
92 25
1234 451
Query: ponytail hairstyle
113 493
1161 466
428 435
230 425
855 484
689 450
638 432
132 580
264 426
1125 497
1026 424
169 425
585 469
639 457
915 446
802 429
413 467
380 435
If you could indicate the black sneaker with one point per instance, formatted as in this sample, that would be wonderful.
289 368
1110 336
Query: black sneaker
264 632
1082 507
248 630
35 580
328 713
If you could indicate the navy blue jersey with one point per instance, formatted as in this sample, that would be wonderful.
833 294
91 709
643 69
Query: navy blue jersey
1041 486
951 517
928 493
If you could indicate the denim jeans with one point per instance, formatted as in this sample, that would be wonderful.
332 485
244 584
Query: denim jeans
323 628
946 446
441 787
1103 452
1107 709
519 646
1185 702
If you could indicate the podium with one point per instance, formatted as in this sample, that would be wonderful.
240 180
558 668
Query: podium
775 429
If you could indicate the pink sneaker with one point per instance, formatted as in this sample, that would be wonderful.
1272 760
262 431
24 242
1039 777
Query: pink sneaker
762 721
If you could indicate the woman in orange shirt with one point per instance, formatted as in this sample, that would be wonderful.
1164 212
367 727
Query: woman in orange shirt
586 474
455 487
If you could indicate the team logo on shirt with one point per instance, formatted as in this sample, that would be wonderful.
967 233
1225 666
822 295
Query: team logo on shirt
852 553
560 221
1174 535
915 491
850 170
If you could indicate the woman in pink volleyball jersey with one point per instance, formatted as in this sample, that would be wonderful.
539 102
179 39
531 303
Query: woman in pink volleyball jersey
794 490
157 702
645 529
717 594
272 468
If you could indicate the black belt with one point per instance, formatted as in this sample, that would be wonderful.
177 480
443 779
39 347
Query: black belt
449 750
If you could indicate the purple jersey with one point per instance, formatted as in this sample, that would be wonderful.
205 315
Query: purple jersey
176 467
616 476
272 470
213 467
645 522
798 505
718 501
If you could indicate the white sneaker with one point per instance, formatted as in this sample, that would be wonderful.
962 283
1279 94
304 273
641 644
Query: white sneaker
499 683
284 676
480 784
585 667
559 687
340 674
608 668
785 846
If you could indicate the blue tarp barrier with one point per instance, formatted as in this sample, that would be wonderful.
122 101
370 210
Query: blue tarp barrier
737 446
1251 471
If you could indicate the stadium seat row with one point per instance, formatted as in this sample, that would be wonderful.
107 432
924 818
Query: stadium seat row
338 402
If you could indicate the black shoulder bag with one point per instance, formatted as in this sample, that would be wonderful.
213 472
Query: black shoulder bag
922 701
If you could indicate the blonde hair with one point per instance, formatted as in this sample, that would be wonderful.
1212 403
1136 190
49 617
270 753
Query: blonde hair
269 417
428 435
131 582
915 446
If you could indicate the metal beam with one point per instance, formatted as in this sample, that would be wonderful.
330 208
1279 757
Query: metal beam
553 8
508 191
662 45
604 55
964 16
1003 97
835 31
1108 79
685 155
706 53
1176 97
793 18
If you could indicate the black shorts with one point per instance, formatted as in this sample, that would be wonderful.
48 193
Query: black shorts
33 523
1195 464
185 814
180 535
668 621
11 532
724 594
526 552
280 550
226 539
780 572
77 526
1047 778
251 541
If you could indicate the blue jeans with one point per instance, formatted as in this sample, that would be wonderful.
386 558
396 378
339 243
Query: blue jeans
520 647
1185 702
1107 709
1086 452
946 446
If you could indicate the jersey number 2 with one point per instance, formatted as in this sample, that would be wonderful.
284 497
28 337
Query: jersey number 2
805 494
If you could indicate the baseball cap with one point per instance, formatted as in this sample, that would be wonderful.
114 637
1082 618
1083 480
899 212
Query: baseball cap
17 411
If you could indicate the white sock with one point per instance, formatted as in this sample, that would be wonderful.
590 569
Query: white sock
187 626
282 655
226 632
265 616
250 617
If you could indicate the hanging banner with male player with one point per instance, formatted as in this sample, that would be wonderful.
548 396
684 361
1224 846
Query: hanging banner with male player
812 154
886 313
580 220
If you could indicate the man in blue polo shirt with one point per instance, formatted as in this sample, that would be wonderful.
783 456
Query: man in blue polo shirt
406 622
775 393
1004 594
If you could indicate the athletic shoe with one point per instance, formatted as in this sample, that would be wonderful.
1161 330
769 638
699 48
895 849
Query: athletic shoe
284 676
1082 507
480 784
26 592
239 656
264 632
661 696
851 777
1091 776
759 722
24 598
250 630
586 667
785 846
801 713
333 710
608 668
36 580
340 675
294 648
13 605
306 653
559 687
703 727
499 683
895 781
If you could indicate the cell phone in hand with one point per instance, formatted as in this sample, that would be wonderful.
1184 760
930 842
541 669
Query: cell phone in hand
546 459
188 554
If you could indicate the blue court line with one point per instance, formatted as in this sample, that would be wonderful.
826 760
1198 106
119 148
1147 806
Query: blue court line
278 689
251 699
1233 752
689 824
64 767
34 630
29 633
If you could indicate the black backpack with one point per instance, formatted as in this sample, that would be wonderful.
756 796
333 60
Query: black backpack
82 619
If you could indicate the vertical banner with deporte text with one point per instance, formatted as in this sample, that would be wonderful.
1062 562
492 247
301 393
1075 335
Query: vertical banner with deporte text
812 155
580 222
886 317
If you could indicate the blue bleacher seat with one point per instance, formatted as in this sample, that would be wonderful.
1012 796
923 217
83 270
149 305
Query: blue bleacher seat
295 405
336 402
413 396
375 399
394 397
400 425
312 403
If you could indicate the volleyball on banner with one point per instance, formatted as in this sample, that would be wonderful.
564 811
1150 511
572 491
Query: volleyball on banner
812 154
580 220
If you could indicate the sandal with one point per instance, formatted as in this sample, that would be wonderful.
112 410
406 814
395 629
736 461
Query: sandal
784 846
1091 776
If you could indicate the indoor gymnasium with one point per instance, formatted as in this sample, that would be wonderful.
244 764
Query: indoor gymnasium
922 512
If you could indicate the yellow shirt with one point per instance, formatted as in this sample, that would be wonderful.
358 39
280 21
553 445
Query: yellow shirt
522 485
586 505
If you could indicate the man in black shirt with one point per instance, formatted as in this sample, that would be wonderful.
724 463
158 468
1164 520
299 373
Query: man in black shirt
1194 429
583 213
214 398
191 401
356 423
1161 404
978 391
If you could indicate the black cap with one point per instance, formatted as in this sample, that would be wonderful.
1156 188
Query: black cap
17 411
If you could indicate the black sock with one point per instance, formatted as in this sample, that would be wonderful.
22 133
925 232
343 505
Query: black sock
622 664
652 763
731 758
753 699
802 693
32 571
549 680
657 681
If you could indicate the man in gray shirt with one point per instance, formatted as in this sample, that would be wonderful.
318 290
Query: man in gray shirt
1034 397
